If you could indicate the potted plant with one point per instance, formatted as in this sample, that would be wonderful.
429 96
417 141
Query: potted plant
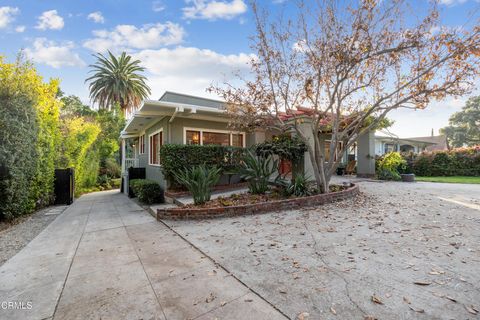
405 170
341 170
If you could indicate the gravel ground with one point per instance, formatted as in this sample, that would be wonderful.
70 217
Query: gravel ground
397 251
15 236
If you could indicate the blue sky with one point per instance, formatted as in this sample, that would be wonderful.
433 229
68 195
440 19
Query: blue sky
185 45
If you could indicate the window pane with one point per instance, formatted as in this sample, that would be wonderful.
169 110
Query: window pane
155 143
193 137
327 150
222 139
237 140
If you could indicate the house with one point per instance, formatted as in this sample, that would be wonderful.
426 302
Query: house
184 119
389 142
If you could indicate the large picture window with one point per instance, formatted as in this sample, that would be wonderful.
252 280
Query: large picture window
219 138
155 142
216 137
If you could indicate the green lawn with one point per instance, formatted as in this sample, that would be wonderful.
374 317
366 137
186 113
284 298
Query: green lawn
454 179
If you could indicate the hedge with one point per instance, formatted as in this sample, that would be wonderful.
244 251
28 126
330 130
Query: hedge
18 155
457 162
147 191
176 158
29 138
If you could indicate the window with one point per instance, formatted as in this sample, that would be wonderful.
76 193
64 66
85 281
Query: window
216 137
155 143
193 137
389 147
237 140
327 150
219 138
141 144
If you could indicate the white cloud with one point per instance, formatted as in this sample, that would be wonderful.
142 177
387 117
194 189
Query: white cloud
158 6
7 16
96 17
50 20
53 54
20 29
213 10
452 2
189 70
127 37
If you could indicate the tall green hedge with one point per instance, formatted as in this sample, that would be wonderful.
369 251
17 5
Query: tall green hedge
457 162
29 137
177 157
18 155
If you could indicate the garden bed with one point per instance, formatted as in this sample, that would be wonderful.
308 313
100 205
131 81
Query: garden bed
246 204
177 193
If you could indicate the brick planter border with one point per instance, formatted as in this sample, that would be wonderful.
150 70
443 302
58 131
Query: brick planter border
262 207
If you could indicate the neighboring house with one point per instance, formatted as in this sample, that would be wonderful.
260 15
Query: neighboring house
390 143
184 119
438 142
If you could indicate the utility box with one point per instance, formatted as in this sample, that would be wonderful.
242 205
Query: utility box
64 186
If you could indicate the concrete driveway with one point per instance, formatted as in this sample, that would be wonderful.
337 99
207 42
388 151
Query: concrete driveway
398 251
107 258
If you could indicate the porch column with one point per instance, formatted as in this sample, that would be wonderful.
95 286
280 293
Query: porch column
257 136
366 155
306 130
124 179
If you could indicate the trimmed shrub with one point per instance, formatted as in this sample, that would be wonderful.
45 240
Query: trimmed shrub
176 158
147 191
199 180
456 162
389 165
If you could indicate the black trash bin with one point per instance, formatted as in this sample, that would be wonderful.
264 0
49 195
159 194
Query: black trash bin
64 186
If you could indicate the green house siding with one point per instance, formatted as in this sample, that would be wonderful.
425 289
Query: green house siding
173 133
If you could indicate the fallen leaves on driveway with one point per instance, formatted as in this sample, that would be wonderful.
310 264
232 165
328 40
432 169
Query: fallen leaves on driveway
376 299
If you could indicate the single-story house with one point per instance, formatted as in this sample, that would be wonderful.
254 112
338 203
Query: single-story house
184 119
388 143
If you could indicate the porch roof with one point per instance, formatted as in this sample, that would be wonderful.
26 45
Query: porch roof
151 111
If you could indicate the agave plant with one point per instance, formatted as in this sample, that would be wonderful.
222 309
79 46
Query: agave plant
257 171
199 180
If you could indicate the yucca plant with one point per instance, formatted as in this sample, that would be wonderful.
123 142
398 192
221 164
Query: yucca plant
199 180
300 186
257 171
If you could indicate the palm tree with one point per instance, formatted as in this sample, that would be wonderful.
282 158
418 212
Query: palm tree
117 80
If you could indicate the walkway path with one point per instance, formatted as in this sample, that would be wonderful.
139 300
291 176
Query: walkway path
107 258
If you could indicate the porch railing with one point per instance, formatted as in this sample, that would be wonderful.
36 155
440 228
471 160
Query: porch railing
130 162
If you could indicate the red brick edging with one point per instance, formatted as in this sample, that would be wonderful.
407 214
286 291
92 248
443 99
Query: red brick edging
248 209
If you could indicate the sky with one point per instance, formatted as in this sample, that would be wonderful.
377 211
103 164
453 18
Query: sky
185 45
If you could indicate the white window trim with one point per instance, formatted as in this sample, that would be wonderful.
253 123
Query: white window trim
201 130
150 147
140 144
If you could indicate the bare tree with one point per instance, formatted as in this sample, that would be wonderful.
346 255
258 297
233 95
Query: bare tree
339 69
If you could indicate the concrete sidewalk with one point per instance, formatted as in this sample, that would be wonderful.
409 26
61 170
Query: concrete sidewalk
107 258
